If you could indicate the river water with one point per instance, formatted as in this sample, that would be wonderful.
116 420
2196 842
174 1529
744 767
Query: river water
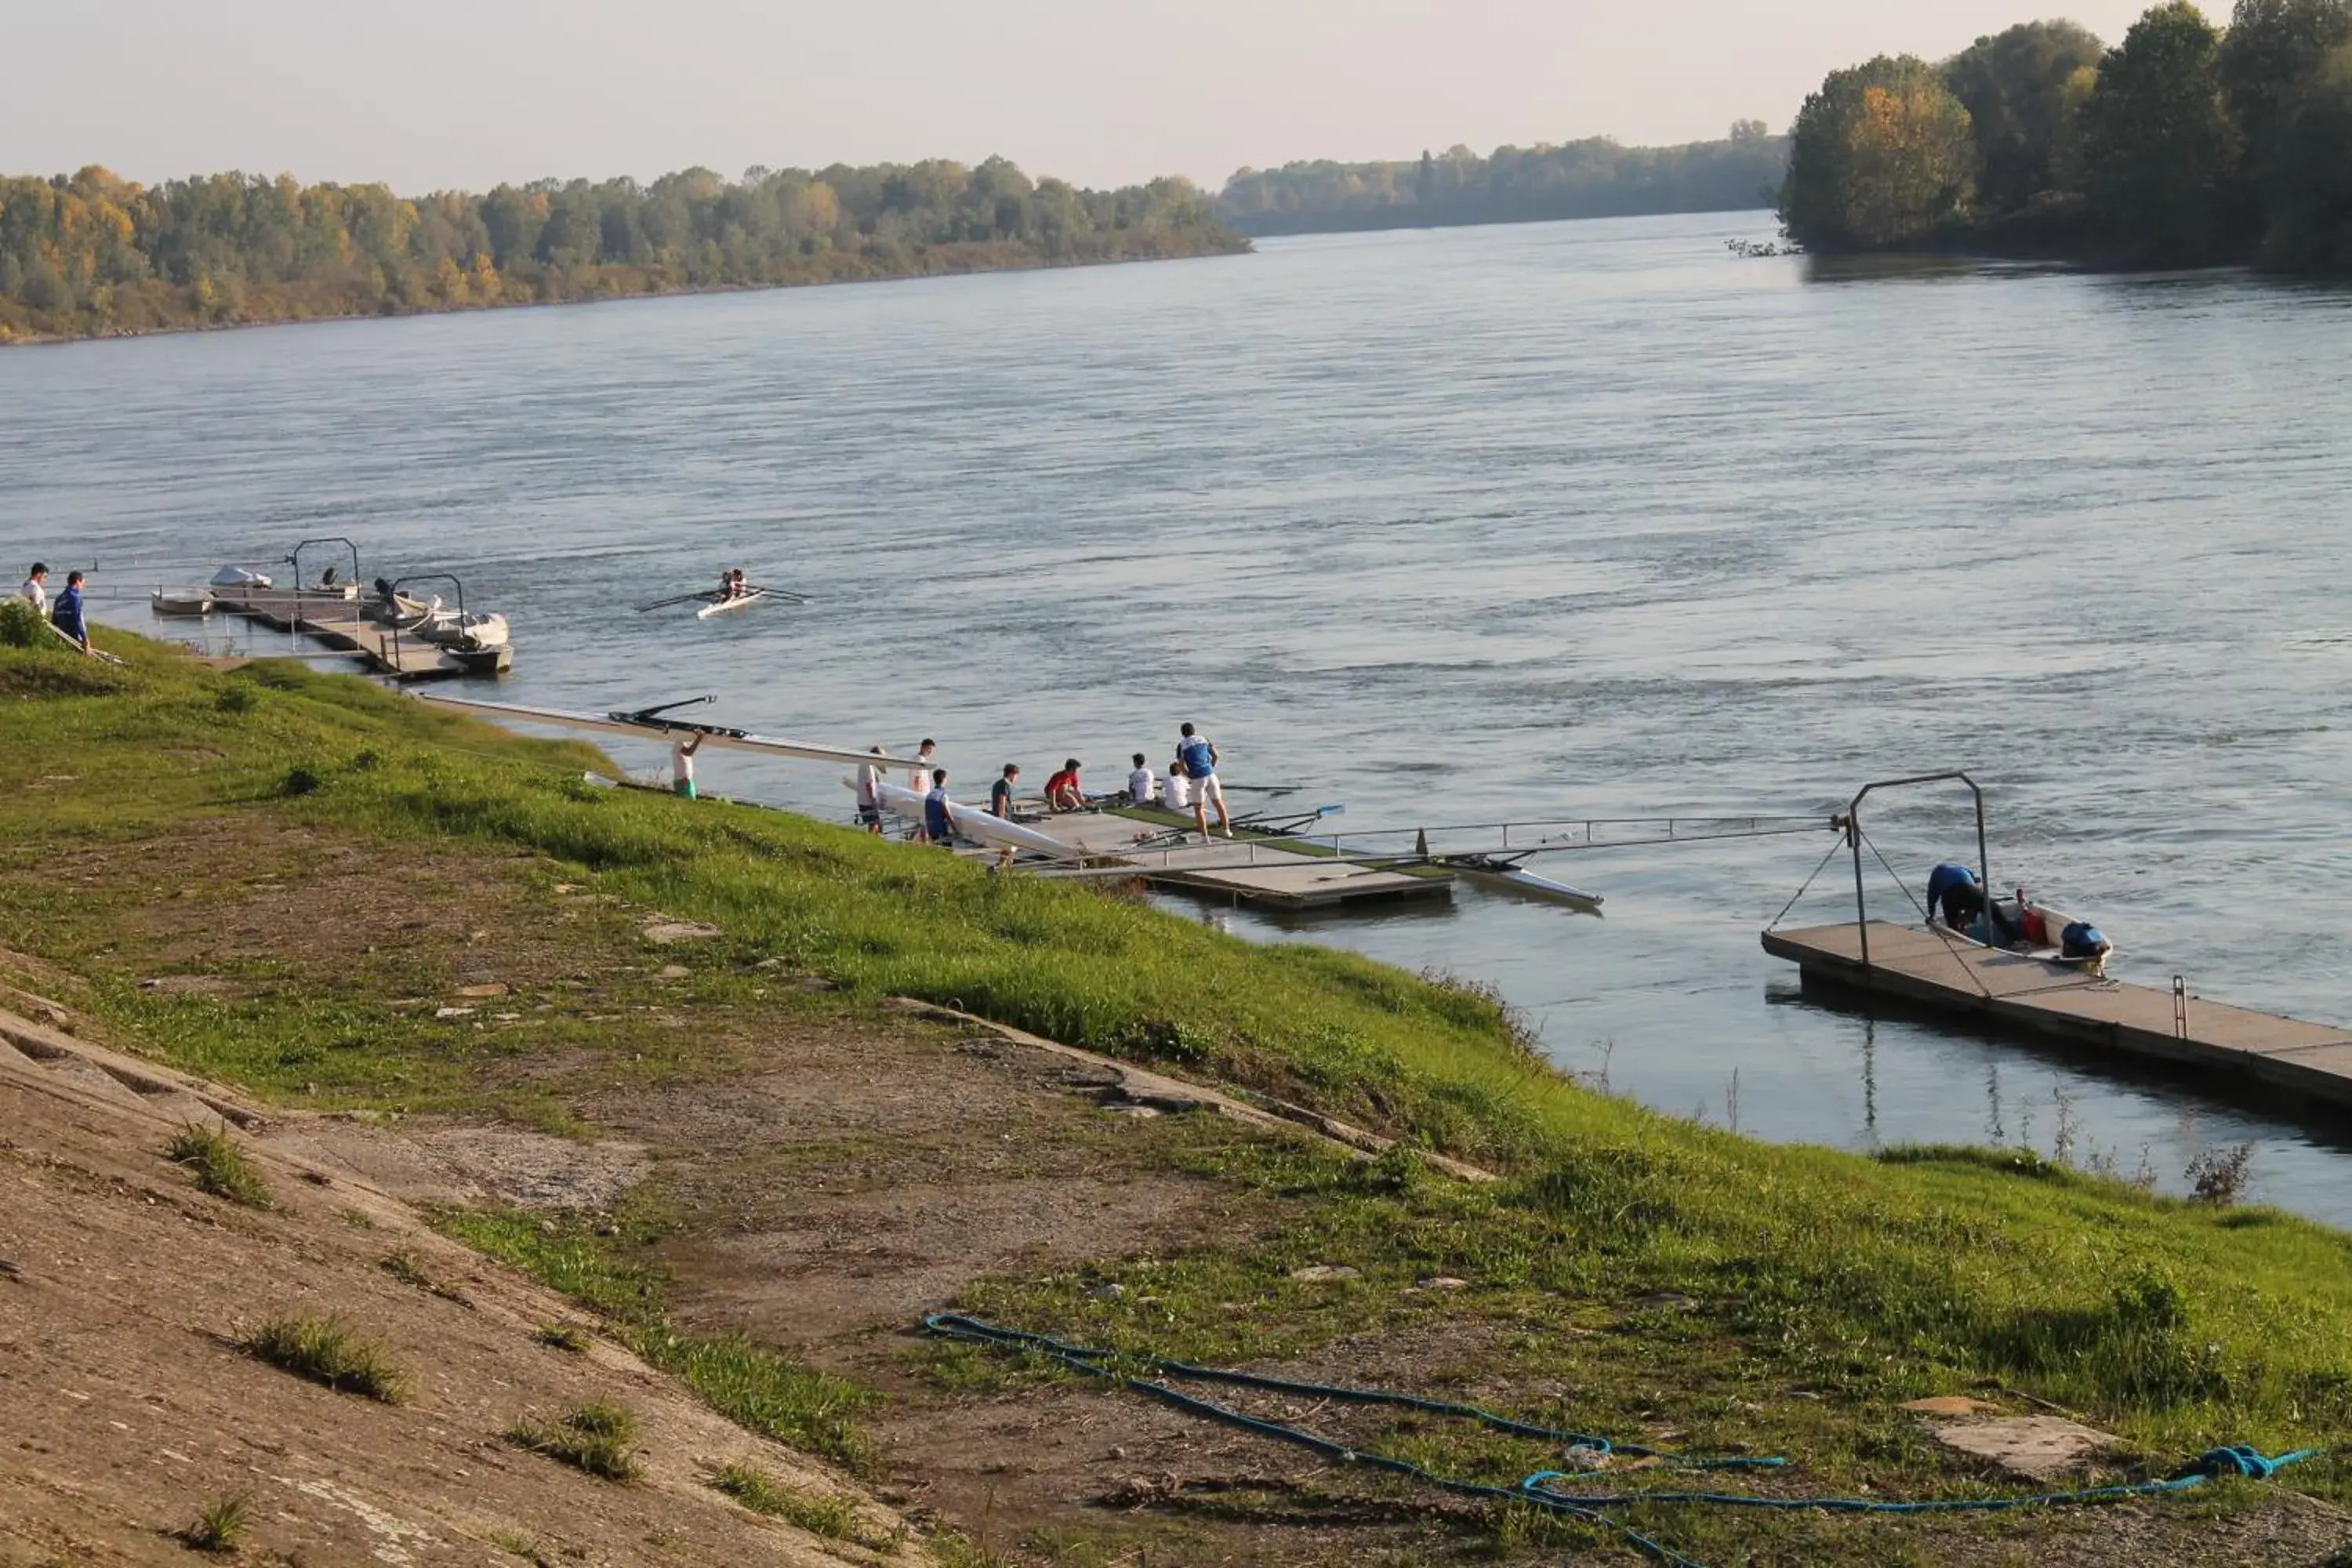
1554 520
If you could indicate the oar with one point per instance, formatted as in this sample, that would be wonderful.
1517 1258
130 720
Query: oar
681 599
778 593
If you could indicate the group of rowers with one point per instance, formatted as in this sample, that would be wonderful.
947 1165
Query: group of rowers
1190 785
732 586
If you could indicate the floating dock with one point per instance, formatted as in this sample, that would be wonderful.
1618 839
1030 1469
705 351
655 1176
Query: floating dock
334 621
1288 872
1944 972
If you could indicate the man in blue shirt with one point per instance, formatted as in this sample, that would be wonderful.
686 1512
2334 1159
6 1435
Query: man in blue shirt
68 616
938 824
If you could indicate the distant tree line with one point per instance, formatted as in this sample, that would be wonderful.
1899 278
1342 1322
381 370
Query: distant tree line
1593 178
92 253
2186 144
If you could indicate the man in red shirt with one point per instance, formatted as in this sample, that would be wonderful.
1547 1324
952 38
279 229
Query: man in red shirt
1062 791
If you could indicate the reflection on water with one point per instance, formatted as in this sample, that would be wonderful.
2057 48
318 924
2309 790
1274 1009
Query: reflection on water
1456 526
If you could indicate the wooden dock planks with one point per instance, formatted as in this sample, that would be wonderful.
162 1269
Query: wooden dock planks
336 623
1290 874
1948 974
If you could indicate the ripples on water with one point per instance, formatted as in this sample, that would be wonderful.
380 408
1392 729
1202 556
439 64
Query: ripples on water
1577 518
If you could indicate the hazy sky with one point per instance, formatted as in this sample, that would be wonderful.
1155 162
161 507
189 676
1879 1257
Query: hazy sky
430 93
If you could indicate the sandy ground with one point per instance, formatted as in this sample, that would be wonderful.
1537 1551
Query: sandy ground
129 1407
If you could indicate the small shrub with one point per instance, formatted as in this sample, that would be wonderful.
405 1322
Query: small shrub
20 625
594 1438
299 781
835 1518
236 696
218 1165
222 1527
564 1337
2219 1176
327 1350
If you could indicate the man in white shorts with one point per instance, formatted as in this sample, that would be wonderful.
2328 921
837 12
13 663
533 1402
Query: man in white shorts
1199 757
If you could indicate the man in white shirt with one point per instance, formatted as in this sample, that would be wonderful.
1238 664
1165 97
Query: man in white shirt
681 765
919 777
1140 784
869 795
35 589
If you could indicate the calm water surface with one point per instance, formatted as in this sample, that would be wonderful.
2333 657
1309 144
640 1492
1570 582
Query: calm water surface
1483 523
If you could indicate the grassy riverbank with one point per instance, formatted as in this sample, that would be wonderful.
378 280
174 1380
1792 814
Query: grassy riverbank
1631 1272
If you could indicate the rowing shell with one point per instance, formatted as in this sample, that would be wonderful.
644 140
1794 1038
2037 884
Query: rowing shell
971 821
723 605
633 724
1520 879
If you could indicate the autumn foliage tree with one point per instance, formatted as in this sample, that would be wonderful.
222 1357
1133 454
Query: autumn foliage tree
2186 144
1881 156
92 253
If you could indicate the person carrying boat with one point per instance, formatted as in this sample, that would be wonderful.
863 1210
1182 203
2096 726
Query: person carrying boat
68 616
1142 787
938 823
1062 790
1198 756
999 794
35 591
869 794
681 765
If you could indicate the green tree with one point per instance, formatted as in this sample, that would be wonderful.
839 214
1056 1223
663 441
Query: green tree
2160 159
1881 156
2273 47
2014 85
2310 185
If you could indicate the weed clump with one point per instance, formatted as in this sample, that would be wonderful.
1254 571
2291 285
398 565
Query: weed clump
328 1351
564 1337
2218 1176
835 1518
236 696
299 781
222 1527
594 1438
218 1165
409 1270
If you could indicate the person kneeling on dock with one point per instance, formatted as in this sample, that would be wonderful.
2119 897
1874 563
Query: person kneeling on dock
1062 791
939 824
1955 895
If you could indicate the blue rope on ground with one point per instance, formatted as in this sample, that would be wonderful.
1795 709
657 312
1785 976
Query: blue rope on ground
2237 1459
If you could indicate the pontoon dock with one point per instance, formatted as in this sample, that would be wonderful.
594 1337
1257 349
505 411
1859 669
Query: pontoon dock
1289 873
1944 972
334 621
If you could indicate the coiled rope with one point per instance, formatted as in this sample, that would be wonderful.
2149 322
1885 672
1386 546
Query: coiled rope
1145 1374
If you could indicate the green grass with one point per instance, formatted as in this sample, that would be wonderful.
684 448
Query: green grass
828 1514
1861 1282
595 1436
222 1526
763 1390
328 1351
218 1165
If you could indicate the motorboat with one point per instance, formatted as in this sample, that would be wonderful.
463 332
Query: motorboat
182 601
